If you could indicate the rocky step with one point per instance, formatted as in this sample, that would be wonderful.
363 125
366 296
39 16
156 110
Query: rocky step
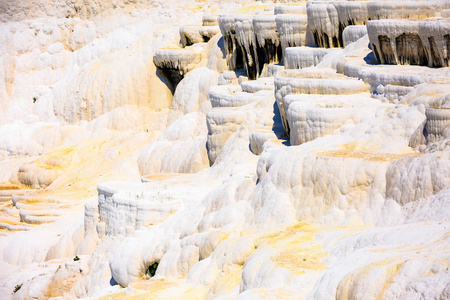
262 135
314 116
210 20
176 62
222 122
234 96
400 76
197 34
352 33
261 84
303 57
321 81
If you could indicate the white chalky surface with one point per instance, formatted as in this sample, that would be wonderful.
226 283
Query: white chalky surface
328 177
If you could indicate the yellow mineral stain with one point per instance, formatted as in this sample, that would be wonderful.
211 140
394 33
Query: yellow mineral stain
301 259
8 186
306 229
227 282
160 177
281 293
157 289
154 285
251 8
9 221
391 276
365 155
298 250
346 287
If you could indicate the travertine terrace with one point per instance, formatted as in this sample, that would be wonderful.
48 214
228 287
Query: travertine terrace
224 149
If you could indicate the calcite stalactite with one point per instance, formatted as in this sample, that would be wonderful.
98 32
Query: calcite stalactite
292 30
175 63
268 47
251 41
234 52
327 20
247 42
438 120
412 42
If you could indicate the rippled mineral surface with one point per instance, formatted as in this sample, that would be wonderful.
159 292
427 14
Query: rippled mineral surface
206 149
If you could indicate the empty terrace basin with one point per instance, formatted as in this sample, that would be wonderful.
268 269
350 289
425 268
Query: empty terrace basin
312 81
317 81
303 57
259 136
313 116
399 75
126 206
233 96
253 86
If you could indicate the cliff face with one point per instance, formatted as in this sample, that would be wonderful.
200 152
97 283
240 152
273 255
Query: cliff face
211 149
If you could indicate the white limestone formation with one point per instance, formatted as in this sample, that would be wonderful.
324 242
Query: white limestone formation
222 122
133 168
234 52
313 116
191 94
352 33
234 96
438 119
190 35
292 30
176 62
259 137
413 42
402 77
124 211
303 57
197 34
327 20
209 20
295 9
261 84
307 81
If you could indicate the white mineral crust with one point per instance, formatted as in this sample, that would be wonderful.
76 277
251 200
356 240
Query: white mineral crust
220 150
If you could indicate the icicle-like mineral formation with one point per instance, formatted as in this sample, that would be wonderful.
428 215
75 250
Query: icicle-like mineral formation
175 63
234 52
413 42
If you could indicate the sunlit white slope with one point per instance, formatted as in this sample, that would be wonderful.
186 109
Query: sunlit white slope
354 203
